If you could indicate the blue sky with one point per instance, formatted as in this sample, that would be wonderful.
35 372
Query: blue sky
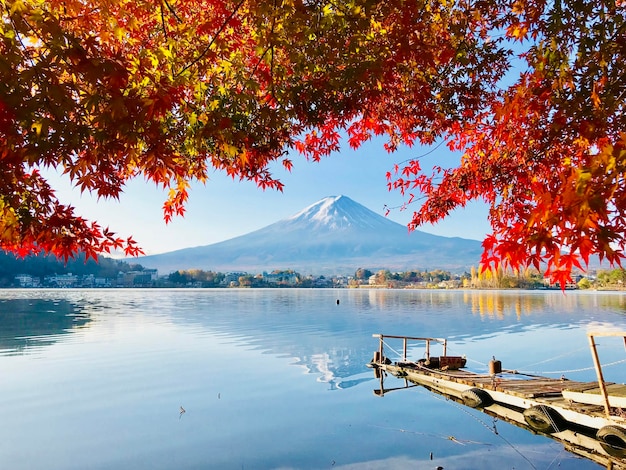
223 208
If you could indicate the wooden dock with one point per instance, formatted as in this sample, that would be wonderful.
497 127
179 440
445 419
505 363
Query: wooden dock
582 444
514 389
590 392
543 404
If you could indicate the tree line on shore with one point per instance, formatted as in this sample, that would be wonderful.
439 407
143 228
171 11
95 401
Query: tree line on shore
42 266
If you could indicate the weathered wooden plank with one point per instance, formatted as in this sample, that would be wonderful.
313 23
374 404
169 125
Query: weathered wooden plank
585 386
618 390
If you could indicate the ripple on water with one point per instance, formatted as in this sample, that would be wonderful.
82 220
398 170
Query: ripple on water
279 374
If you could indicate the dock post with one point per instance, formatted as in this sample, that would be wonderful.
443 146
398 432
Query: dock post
404 350
601 385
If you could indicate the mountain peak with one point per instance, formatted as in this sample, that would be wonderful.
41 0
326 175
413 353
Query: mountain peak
338 213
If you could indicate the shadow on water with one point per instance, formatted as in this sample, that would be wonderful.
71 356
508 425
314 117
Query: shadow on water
33 323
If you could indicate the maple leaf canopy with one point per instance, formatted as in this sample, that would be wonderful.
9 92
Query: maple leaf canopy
529 92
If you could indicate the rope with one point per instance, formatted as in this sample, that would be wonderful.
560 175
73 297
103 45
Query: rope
546 412
397 353
476 362
558 457
582 369
490 429
393 350
527 371
555 357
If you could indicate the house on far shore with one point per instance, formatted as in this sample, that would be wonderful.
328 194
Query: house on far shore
143 278
66 281
26 280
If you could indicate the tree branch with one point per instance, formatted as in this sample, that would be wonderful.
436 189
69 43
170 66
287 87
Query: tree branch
208 47
172 11
163 21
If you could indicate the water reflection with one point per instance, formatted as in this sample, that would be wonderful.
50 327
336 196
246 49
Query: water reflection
267 378
500 304
309 325
27 324
576 440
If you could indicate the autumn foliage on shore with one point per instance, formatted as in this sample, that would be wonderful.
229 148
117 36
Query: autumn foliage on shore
529 93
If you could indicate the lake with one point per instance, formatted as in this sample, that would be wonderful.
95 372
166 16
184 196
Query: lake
276 379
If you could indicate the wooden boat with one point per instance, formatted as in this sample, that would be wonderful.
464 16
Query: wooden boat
585 415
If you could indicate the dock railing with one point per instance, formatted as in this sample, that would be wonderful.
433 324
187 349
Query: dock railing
405 340
598 366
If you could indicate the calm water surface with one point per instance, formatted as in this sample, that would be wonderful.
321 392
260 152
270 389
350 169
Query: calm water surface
275 379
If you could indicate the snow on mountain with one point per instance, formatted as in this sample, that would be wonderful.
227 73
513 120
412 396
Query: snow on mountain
335 235
339 213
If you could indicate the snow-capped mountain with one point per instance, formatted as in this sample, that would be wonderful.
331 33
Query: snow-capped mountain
333 236
337 213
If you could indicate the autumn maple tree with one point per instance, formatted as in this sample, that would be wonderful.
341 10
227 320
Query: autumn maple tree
530 93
